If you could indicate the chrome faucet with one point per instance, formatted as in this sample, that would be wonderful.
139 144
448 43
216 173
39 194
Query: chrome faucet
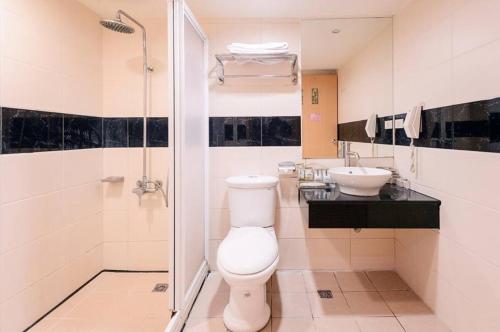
147 186
348 157
347 153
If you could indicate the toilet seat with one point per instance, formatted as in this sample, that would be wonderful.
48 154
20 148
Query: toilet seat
247 250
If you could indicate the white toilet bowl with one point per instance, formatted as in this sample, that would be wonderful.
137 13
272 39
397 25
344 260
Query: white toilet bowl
246 259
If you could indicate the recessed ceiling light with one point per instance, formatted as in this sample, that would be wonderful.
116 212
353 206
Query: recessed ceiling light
336 31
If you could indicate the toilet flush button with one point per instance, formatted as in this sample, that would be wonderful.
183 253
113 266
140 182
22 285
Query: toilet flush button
247 294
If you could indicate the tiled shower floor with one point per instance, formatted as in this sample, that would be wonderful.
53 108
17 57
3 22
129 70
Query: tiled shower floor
113 302
377 301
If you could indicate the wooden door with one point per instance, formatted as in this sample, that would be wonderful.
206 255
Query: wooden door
319 116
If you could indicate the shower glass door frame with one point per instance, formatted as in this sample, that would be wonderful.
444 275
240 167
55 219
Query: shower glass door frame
188 96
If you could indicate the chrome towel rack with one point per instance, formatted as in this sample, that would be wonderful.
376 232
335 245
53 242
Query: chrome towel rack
265 59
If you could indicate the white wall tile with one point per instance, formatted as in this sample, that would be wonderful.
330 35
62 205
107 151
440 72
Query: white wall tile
367 233
314 254
474 25
219 223
230 161
115 226
82 201
372 254
148 225
148 255
26 220
21 180
50 220
480 65
115 255
451 269
82 166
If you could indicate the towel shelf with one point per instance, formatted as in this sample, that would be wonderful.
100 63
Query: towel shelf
265 59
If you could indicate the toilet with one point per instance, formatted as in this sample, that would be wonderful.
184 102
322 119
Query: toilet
248 255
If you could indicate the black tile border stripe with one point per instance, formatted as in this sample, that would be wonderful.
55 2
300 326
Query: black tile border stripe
254 131
27 131
473 126
355 131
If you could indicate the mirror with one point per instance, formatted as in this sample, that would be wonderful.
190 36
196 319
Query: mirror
347 87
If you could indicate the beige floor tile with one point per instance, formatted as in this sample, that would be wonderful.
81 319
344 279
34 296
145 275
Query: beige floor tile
210 303
155 324
122 326
147 305
99 307
114 302
148 325
113 282
340 324
354 282
205 325
292 325
323 308
45 325
288 282
287 305
379 324
405 303
315 280
68 305
147 281
367 304
387 281
74 325
419 323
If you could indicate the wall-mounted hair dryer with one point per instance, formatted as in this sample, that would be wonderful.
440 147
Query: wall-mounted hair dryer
371 130
371 126
412 122
412 126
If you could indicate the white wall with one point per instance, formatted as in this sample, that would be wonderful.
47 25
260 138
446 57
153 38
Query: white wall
448 52
366 87
135 237
50 202
300 247
365 80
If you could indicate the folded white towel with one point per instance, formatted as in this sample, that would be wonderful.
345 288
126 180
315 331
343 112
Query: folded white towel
261 46
265 48
243 51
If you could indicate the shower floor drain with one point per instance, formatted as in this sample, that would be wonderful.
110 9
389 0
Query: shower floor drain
325 293
160 288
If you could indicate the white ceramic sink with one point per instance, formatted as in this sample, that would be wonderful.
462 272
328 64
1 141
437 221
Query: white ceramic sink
360 181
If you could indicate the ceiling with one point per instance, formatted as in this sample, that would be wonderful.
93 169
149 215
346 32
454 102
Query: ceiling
321 49
137 8
254 8
294 8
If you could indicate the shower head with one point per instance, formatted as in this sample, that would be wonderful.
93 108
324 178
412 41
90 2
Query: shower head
117 25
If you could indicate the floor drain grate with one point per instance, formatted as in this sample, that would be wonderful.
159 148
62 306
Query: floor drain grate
160 288
325 293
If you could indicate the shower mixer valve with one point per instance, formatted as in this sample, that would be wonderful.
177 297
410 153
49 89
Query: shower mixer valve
147 186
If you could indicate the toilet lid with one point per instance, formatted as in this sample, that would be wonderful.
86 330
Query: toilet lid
247 250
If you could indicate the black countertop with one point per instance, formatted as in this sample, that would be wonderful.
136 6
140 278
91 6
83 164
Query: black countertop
387 193
394 207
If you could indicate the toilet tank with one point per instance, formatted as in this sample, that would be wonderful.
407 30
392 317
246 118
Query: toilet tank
252 200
